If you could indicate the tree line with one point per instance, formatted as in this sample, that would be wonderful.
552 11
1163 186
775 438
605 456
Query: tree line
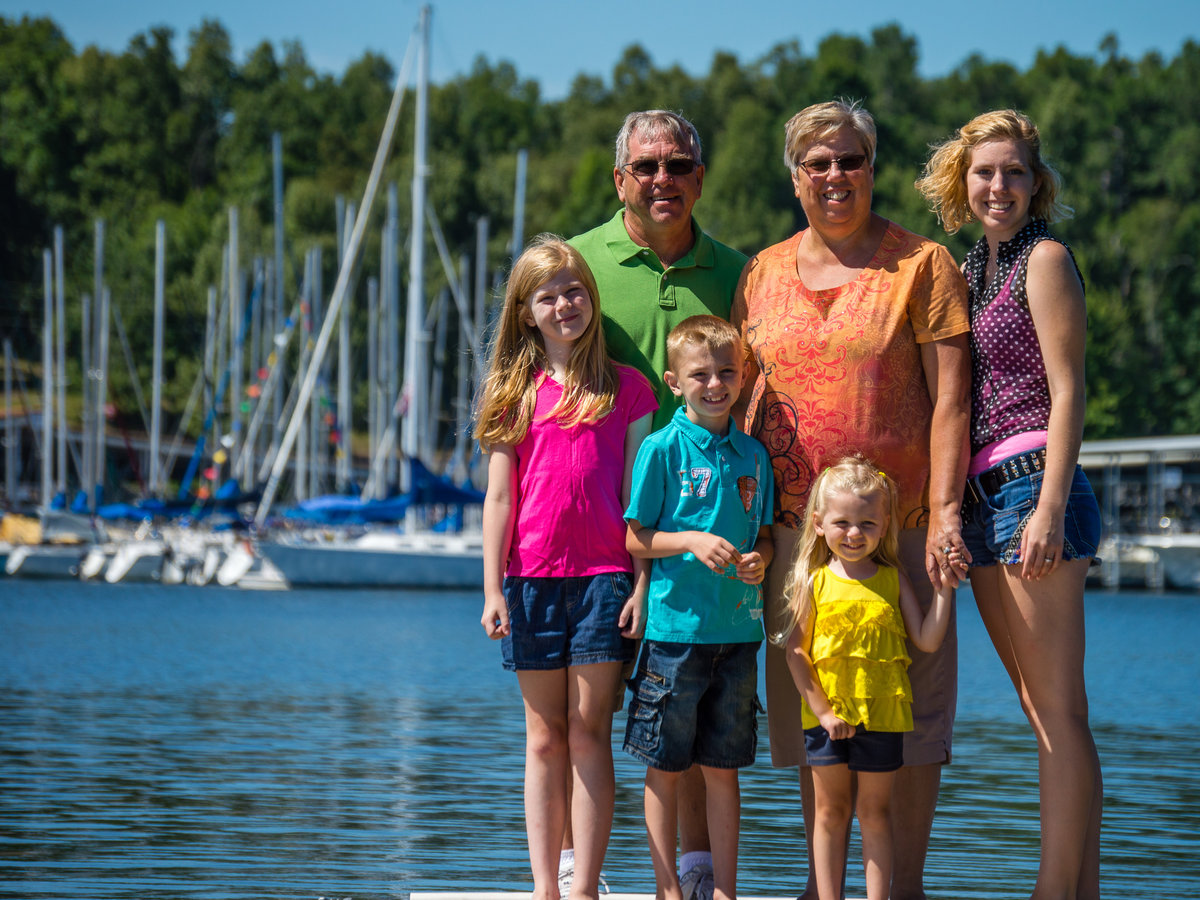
140 135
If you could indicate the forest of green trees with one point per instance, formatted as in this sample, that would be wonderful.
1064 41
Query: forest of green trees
136 136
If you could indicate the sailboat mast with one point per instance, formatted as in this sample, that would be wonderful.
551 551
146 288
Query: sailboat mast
390 345
343 397
60 370
48 381
518 235
235 344
101 397
160 269
414 365
10 435
277 325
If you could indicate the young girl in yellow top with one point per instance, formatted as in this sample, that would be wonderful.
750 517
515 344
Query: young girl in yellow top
850 608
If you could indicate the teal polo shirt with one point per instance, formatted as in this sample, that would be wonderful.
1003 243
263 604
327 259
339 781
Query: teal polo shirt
686 478
641 302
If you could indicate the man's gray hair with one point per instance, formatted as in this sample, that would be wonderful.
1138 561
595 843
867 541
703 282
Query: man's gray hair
657 124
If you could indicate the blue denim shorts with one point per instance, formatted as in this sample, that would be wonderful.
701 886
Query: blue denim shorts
560 622
867 751
694 703
993 525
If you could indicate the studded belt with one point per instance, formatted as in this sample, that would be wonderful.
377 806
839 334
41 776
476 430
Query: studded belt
991 480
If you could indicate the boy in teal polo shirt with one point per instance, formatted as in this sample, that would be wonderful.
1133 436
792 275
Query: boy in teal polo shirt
702 499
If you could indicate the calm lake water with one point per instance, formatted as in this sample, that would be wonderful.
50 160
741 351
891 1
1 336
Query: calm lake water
198 742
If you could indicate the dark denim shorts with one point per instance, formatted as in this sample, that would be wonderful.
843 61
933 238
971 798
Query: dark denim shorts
694 703
993 525
560 622
867 751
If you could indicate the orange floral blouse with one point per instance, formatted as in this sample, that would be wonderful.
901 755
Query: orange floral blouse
839 371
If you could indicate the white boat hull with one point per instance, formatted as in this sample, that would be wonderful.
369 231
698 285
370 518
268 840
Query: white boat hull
137 560
46 560
447 562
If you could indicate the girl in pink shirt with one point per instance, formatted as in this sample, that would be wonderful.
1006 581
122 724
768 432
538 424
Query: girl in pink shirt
562 424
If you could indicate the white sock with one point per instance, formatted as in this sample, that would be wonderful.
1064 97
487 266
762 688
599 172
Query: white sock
694 858
566 858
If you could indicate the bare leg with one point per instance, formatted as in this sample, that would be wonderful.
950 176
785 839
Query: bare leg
783 700
833 794
724 820
1038 630
693 815
915 787
546 768
589 736
914 800
618 703
661 788
873 803
807 806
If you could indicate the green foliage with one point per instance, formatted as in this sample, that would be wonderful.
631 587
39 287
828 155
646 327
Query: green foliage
135 136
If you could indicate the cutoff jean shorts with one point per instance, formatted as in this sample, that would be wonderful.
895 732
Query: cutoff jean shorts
993 525
694 704
555 623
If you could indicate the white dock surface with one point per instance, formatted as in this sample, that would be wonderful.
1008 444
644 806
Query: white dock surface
524 895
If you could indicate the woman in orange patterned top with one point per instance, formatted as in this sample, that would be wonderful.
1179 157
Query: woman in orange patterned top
858 336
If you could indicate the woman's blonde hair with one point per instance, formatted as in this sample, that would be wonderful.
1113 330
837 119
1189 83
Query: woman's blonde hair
849 475
508 394
944 181
822 120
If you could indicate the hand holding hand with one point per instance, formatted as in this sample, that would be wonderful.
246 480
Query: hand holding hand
946 555
751 568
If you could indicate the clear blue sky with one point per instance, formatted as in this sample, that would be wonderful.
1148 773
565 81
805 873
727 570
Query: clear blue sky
552 40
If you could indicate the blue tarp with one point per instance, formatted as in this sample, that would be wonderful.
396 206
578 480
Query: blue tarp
336 509
428 490
192 509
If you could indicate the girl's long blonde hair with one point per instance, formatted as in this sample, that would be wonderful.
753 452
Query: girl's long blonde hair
508 394
849 475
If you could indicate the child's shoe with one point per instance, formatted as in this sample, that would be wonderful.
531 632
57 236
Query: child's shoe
566 872
697 882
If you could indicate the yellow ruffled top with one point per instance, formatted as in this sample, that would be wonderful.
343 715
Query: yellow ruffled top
859 650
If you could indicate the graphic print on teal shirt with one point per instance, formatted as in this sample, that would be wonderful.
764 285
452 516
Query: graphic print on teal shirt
686 478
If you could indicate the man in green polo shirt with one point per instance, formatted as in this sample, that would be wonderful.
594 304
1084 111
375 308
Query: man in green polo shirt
655 267
653 264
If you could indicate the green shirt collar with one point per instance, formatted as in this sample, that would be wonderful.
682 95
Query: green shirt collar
623 248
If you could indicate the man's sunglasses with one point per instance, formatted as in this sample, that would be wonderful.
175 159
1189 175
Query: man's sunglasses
676 166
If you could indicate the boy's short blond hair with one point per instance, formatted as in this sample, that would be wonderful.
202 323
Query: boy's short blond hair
710 332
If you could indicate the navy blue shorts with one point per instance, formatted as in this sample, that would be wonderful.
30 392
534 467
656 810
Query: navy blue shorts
559 622
992 527
694 704
867 751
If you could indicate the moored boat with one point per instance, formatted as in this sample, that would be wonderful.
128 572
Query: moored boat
379 559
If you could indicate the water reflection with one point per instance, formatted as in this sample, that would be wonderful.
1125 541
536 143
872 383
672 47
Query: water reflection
204 743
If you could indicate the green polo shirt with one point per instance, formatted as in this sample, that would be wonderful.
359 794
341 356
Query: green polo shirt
641 302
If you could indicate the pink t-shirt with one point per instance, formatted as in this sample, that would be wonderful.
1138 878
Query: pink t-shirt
570 518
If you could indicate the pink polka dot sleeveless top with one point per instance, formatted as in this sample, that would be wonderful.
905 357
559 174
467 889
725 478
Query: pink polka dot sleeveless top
1009 391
